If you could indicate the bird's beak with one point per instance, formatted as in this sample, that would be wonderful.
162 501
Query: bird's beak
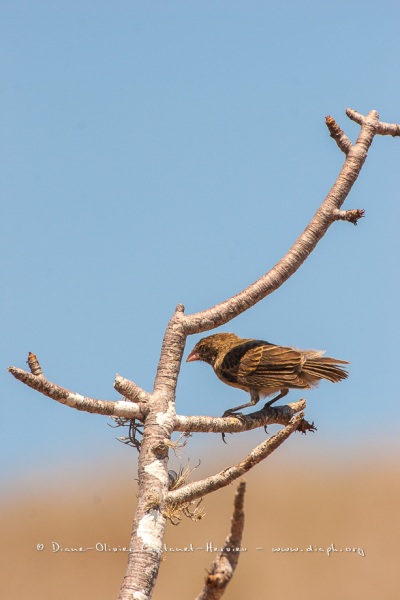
192 357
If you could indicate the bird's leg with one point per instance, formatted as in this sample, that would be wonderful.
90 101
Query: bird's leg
282 394
254 398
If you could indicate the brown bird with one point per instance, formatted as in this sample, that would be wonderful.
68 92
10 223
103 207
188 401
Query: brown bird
262 369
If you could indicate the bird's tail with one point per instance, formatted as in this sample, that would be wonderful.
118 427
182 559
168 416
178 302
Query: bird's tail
323 367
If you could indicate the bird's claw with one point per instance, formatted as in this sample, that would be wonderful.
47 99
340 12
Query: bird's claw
228 413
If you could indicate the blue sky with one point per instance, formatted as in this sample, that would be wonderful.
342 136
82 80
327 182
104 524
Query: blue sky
159 153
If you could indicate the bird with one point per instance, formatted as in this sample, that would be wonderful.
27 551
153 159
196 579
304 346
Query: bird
262 369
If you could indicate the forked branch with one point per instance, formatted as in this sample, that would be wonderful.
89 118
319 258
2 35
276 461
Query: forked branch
119 408
198 489
324 217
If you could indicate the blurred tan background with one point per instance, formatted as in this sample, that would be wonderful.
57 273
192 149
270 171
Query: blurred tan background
293 500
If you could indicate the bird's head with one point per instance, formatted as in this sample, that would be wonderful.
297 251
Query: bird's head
209 348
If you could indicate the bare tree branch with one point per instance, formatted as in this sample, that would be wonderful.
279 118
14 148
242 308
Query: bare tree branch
34 365
101 407
356 116
224 565
388 129
225 311
150 518
338 135
198 489
273 415
381 128
130 389
351 216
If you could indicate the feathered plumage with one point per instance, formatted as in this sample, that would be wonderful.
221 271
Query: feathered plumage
262 369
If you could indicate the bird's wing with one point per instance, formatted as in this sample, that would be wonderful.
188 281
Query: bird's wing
262 365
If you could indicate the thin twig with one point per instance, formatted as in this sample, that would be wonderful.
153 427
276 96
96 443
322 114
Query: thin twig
351 216
34 365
